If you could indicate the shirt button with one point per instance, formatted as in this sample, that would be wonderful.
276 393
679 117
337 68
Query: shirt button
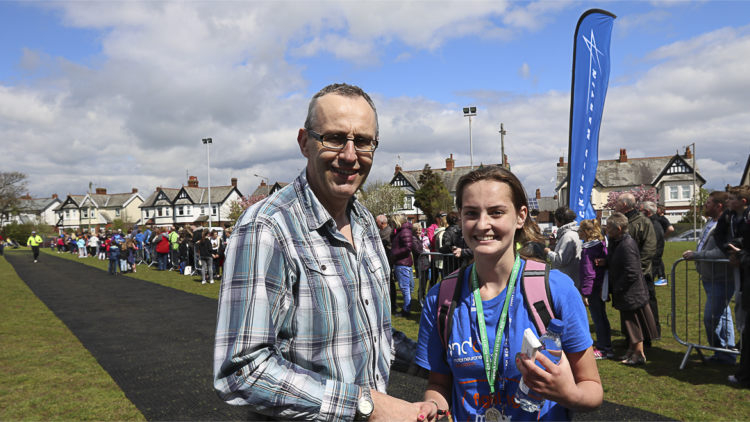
367 302
377 377
323 267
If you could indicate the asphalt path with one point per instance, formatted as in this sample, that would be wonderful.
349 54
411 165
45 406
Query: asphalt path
157 342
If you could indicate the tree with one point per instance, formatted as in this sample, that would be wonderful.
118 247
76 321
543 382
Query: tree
702 197
239 206
641 193
381 198
12 185
432 195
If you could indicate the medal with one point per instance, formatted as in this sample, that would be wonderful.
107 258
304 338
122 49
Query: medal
493 415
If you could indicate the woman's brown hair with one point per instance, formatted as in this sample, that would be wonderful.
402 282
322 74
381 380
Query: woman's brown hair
530 231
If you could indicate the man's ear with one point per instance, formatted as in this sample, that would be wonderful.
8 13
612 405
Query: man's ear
302 140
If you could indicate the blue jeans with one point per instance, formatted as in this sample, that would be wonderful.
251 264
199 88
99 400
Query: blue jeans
405 279
717 316
113 265
162 261
598 310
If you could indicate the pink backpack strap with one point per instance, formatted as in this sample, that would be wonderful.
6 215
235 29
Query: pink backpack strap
448 296
537 294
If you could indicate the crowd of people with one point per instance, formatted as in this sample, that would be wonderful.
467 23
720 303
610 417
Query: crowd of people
185 249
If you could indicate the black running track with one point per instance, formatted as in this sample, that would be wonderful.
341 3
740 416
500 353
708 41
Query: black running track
157 342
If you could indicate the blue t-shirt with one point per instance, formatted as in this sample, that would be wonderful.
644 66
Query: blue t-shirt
470 392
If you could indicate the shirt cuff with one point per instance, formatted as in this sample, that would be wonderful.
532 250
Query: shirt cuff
339 401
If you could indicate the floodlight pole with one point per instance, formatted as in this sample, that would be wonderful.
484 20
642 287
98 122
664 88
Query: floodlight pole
470 112
502 146
696 195
208 142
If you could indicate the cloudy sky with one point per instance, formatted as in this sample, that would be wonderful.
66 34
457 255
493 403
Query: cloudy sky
120 94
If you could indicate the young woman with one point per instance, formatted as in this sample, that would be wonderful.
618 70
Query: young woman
592 271
494 212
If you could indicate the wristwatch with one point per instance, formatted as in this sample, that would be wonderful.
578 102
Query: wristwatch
365 406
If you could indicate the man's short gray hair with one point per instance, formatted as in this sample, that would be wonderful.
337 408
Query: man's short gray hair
345 90
650 207
627 200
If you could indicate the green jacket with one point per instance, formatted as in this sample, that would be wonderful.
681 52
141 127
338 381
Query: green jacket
174 239
642 231
34 240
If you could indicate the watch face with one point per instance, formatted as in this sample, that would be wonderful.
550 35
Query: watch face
365 406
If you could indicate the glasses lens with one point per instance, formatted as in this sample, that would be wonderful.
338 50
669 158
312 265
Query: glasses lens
334 140
364 144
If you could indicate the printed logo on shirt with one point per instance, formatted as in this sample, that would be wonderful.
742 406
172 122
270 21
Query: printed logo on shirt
464 353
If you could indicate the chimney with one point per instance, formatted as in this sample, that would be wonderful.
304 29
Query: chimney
101 191
449 163
262 183
54 195
193 182
27 196
688 153
398 169
561 162
234 182
135 190
623 155
538 193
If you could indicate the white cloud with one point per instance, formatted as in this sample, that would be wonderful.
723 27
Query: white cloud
524 71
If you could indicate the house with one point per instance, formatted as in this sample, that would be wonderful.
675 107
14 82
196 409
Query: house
190 204
99 209
265 189
745 179
408 181
34 211
671 176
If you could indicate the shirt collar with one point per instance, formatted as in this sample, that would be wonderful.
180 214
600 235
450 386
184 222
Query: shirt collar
316 215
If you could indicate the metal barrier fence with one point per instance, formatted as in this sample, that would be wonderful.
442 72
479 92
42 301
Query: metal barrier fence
704 318
431 268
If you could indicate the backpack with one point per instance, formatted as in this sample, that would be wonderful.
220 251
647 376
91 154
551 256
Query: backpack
534 286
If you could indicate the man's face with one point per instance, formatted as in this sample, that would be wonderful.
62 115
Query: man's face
620 207
712 208
613 232
336 175
735 203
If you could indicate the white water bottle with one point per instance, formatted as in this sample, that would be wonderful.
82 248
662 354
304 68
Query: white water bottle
549 344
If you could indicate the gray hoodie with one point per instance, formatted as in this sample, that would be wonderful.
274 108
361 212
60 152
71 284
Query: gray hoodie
567 254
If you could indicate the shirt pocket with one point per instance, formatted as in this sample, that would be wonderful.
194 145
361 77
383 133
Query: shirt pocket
330 290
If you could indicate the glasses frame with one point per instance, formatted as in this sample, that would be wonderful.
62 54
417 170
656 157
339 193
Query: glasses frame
321 138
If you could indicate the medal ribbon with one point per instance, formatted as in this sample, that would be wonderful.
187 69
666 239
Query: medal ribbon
492 362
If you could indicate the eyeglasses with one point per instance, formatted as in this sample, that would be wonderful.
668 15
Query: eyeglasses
337 141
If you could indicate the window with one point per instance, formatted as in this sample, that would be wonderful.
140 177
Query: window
203 210
160 211
168 211
85 213
117 212
67 213
213 209
686 192
674 192
181 210
93 213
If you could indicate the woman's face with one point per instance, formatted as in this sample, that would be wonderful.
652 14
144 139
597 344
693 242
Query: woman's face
489 219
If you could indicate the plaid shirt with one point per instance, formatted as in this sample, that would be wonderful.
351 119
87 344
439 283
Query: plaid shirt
304 317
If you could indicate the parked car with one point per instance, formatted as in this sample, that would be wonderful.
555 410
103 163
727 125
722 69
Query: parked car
686 236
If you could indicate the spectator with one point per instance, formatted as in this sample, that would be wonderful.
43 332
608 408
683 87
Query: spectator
216 247
665 224
642 231
207 257
114 256
593 274
174 243
385 230
453 243
567 254
402 244
162 248
717 282
81 243
657 266
436 242
741 256
94 245
130 252
629 292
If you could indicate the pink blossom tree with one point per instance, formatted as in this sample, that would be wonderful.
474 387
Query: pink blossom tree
642 193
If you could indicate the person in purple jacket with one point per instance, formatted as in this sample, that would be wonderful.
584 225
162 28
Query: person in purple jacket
592 278
401 248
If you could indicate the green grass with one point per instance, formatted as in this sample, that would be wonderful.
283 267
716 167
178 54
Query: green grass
46 373
699 392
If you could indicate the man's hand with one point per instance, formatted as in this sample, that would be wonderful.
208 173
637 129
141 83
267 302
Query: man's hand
457 252
688 254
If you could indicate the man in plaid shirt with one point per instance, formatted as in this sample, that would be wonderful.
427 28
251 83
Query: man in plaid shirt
304 326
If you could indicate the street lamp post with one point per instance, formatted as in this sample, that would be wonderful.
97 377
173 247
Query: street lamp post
208 142
470 112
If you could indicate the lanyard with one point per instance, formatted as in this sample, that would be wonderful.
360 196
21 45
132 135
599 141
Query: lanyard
492 362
